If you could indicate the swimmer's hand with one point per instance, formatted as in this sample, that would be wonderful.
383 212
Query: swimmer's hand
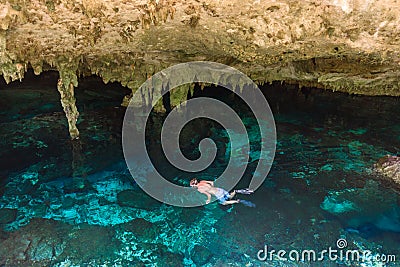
207 201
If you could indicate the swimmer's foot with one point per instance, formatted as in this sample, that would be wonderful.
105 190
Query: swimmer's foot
248 203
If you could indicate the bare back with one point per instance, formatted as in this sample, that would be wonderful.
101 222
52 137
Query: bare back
205 187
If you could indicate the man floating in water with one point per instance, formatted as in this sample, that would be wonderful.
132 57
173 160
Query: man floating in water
223 196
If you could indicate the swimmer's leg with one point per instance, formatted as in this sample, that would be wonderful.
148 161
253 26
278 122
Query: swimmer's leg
228 202
232 194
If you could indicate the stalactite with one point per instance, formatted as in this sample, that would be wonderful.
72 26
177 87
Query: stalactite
66 89
67 67
191 91
179 95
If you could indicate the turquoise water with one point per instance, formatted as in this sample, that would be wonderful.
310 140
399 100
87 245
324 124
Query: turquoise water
66 203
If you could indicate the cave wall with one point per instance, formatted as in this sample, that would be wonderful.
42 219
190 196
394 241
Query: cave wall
343 45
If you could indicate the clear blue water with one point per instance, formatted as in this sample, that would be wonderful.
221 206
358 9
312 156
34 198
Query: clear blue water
75 203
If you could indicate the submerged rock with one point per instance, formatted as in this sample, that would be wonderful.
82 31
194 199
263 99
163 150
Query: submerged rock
356 208
141 228
45 242
136 199
7 215
35 244
159 255
168 258
190 216
389 169
201 255
44 249
89 242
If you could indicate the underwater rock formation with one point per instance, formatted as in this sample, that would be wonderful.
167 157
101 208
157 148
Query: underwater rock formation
201 255
364 209
49 243
349 46
7 215
389 169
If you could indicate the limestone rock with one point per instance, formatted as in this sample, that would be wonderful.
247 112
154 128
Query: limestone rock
142 229
45 242
348 46
136 199
7 215
89 242
161 256
40 241
389 169
201 255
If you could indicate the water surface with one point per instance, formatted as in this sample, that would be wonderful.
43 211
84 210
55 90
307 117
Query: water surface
64 202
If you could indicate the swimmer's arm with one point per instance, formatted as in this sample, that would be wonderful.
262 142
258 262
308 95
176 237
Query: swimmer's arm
208 198
207 194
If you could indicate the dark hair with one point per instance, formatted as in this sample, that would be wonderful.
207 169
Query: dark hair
193 181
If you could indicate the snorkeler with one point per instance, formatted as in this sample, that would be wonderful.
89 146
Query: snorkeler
223 196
